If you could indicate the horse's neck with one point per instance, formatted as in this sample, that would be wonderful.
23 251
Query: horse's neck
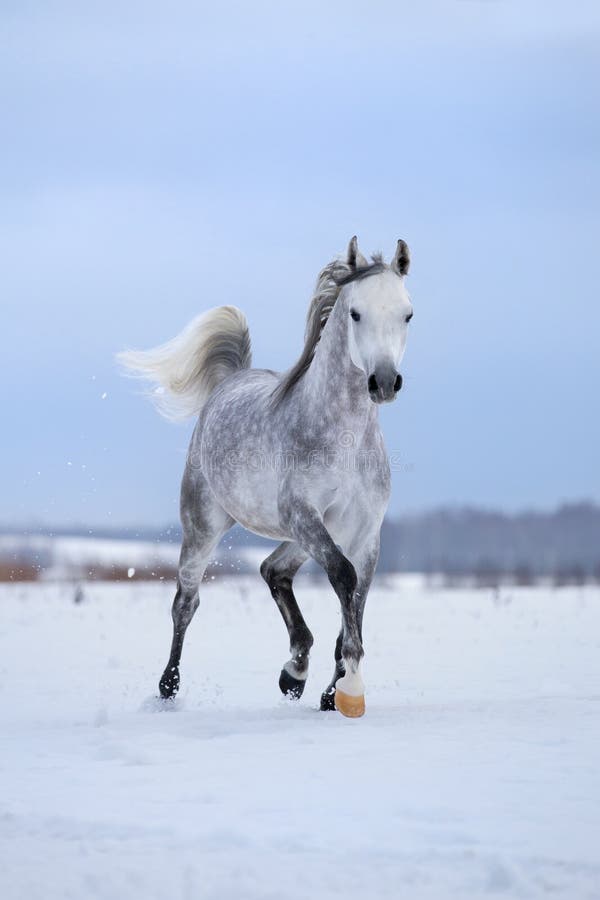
333 384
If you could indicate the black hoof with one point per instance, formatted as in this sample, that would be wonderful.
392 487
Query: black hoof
290 686
169 684
328 700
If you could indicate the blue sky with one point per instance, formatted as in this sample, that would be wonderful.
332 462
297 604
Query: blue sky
160 159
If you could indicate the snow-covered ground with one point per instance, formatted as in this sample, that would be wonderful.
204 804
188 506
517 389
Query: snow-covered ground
474 773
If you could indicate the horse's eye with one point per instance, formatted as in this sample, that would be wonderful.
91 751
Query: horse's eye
408 318
355 315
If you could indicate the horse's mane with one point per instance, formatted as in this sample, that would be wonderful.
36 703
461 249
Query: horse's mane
330 282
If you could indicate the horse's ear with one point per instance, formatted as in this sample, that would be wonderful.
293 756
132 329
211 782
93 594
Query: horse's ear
401 260
355 259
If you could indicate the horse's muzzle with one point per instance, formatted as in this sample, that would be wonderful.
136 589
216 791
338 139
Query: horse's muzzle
384 384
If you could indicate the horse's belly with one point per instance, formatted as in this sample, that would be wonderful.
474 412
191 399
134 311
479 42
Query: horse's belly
250 498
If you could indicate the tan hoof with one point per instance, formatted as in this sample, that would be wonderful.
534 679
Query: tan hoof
350 706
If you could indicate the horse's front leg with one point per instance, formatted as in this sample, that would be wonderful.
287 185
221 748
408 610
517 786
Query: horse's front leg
364 560
306 525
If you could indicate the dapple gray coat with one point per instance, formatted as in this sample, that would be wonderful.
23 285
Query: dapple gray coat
298 457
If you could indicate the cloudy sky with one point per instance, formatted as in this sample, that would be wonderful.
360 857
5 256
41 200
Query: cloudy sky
158 159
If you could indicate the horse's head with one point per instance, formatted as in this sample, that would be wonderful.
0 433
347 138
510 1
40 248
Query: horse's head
379 310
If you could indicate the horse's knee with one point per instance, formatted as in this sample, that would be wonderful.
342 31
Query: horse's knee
343 578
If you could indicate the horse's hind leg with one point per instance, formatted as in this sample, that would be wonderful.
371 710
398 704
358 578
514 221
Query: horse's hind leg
328 695
278 570
204 523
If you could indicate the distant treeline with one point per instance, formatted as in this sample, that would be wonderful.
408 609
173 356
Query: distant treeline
563 545
486 547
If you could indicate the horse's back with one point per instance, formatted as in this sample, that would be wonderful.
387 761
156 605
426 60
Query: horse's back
240 403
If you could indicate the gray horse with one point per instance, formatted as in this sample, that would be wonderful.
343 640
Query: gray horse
298 456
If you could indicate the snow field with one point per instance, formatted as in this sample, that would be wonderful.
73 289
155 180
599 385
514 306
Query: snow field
473 774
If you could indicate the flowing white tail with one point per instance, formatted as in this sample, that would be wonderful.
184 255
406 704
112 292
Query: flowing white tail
188 368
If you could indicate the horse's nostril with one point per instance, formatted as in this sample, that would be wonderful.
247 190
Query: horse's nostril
398 383
373 386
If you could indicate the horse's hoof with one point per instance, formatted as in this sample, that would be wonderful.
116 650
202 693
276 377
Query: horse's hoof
290 686
353 707
328 701
169 684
